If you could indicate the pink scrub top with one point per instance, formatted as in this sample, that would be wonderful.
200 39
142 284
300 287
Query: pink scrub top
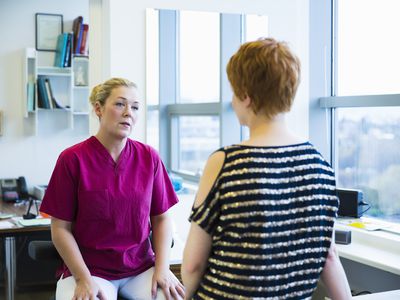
110 204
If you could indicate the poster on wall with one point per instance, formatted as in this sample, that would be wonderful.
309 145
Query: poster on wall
48 28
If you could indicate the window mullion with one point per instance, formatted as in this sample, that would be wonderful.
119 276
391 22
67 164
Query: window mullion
360 101
168 78
231 37
194 109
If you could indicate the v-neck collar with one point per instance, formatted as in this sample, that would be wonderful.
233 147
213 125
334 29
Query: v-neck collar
119 165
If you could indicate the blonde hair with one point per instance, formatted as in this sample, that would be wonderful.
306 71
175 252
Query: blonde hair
102 91
266 71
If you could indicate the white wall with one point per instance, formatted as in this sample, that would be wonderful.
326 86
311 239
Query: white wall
289 21
117 39
22 154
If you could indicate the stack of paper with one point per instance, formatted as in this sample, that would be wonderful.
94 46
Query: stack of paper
35 222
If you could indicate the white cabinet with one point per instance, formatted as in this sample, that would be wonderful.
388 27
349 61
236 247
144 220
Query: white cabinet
68 105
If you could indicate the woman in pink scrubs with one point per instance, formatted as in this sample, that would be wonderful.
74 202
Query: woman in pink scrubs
104 196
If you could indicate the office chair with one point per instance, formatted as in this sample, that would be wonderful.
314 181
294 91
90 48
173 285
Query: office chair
43 251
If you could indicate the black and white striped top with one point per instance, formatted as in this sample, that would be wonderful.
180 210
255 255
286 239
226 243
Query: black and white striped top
270 214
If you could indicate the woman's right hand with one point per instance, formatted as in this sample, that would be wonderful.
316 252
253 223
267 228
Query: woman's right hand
88 289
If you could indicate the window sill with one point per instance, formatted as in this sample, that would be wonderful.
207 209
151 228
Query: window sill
379 249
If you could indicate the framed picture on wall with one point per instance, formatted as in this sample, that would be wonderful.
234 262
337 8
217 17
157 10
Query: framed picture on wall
48 28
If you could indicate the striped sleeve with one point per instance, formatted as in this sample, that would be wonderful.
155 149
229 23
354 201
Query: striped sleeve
207 214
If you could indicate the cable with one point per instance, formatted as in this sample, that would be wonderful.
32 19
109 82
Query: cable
364 204
362 293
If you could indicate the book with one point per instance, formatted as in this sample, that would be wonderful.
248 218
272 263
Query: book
76 28
64 49
31 96
85 39
67 58
79 40
39 96
61 50
53 100
57 58
46 83
43 100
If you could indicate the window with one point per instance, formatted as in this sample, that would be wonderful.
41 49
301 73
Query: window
184 117
153 128
188 94
196 136
256 27
196 145
366 108
369 157
199 59
368 47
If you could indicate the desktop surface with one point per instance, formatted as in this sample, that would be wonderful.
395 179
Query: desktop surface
11 226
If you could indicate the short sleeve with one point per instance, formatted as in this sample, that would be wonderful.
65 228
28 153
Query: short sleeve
207 214
163 194
60 198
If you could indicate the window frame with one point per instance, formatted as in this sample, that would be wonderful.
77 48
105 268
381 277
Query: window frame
324 109
169 107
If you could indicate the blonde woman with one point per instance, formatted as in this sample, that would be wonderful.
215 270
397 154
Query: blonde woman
104 196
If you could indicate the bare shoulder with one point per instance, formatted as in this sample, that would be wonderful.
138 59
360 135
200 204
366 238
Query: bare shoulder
211 170
214 163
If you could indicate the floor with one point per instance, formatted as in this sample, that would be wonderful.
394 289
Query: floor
34 295
44 293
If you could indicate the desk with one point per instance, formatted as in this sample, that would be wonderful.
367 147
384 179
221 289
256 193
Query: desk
8 235
377 249
380 296
386 260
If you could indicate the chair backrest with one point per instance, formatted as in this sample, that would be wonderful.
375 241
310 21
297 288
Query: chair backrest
43 250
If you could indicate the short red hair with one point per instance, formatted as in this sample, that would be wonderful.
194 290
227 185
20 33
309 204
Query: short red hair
268 72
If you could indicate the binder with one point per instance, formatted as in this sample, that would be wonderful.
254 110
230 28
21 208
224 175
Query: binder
61 50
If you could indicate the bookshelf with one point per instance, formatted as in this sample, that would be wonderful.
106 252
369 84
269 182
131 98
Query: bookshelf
67 105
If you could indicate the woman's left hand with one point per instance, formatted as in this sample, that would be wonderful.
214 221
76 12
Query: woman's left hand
169 284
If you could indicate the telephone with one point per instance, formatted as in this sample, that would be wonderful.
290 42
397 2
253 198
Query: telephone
14 189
